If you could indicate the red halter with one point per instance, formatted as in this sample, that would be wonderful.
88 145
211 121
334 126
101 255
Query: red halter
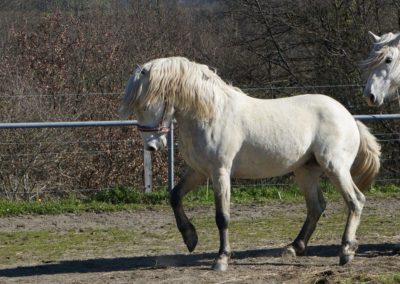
160 128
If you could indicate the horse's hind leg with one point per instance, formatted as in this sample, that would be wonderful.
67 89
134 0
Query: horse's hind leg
189 182
308 179
222 188
355 201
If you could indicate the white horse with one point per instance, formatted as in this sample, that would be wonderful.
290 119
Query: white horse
225 133
382 68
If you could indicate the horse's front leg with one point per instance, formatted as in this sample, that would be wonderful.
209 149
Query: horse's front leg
189 182
222 192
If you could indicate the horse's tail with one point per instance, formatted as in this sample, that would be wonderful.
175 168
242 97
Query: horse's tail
366 165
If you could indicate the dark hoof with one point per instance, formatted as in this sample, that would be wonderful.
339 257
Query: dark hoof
348 251
190 238
345 259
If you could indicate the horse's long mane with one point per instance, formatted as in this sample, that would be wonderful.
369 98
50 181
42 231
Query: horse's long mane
191 87
379 50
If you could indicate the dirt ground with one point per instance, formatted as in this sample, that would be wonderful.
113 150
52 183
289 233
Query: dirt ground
252 262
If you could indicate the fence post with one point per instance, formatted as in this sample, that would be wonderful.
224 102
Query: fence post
170 143
147 171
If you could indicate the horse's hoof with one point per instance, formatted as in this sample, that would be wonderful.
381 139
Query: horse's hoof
190 238
345 259
297 248
348 251
220 265
289 252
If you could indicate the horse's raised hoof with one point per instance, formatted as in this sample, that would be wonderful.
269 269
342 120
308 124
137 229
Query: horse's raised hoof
190 237
221 264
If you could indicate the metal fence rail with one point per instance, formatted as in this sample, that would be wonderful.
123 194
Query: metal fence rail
18 125
171 150
116 123
377 117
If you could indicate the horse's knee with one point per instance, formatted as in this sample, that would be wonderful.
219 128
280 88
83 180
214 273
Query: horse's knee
222 220
315 207
315 214
355 207
361 199
174 198
322 201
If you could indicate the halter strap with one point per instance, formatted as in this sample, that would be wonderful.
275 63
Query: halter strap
160 128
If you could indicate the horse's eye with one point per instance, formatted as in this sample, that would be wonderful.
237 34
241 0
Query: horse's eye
388 60
144 71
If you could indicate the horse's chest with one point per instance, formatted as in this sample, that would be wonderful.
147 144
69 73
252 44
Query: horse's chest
198 161
204 154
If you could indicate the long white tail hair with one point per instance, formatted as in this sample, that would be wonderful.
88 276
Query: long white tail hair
367 163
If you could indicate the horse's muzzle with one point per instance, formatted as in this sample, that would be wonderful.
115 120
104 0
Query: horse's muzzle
156 144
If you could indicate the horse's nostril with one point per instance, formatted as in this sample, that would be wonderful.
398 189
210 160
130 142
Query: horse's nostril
151 148
372 98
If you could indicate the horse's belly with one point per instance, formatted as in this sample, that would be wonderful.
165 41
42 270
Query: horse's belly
263 165
260 172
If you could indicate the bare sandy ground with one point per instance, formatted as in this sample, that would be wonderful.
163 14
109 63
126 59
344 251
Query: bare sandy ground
261 263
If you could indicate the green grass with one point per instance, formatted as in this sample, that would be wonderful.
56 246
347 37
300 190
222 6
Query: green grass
382 279
124 198
67 205
52 245
390 278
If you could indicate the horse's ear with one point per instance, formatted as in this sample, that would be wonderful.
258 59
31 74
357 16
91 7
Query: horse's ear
374 36
138 67
397 37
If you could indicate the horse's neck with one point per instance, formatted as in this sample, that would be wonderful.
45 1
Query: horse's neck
224 102
186 121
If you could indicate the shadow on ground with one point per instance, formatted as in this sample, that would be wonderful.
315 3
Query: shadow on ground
177 260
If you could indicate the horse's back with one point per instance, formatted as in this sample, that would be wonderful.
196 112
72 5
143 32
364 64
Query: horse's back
298 115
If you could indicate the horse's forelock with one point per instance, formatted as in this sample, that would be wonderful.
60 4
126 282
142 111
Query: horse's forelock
375 58
379 50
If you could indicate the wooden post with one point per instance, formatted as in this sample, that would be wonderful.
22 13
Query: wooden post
147 171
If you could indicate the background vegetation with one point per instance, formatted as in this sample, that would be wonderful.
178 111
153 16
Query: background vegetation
69 60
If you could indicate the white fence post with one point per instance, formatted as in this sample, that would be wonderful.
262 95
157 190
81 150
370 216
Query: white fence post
148 174
171 153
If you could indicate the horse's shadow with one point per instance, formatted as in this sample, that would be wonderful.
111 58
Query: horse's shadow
178 260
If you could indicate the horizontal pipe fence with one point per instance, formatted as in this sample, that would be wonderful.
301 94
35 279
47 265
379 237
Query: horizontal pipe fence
382 137
61 124
82 124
